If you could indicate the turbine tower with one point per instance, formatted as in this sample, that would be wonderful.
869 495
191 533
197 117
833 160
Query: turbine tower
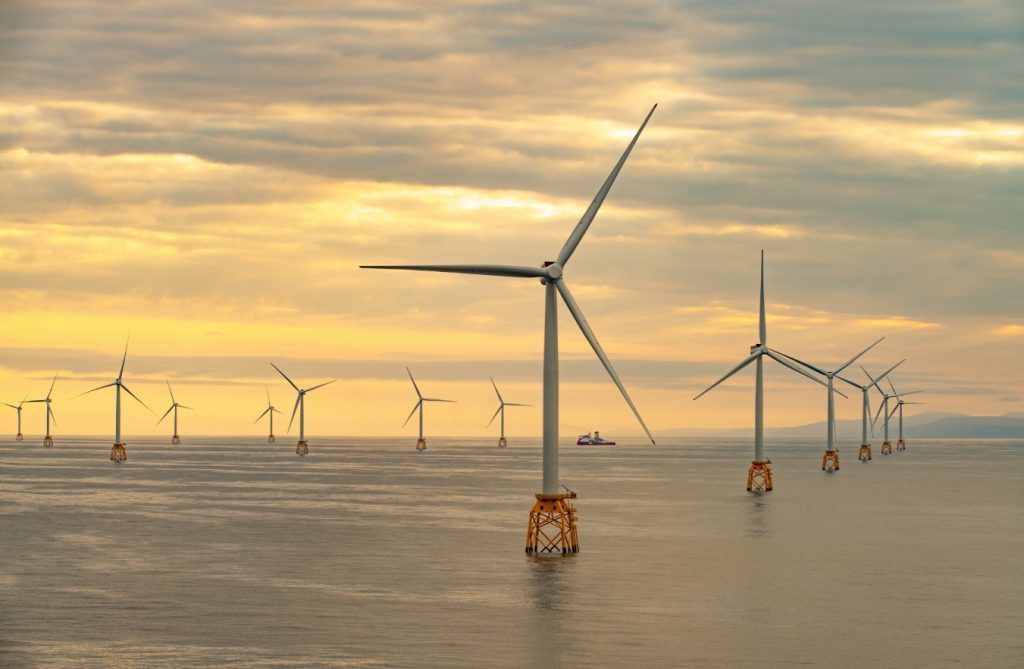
421 443
118 452
174 407
17 408
900 444
759 476
864 454
271 410
502 442
830 460
47 440
301 448
552 523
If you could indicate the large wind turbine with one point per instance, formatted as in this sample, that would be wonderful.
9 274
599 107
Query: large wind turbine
271 410
17 407
900 444
47 440
864 454
502 442
302 448
552 524
421 443
759 476
830 460
883 408
117 452
174 407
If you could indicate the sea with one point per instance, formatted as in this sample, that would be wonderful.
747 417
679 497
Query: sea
232 552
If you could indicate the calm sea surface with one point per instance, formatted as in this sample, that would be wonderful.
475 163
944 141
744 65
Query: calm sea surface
234 552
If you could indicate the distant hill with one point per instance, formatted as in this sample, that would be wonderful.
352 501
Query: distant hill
930 425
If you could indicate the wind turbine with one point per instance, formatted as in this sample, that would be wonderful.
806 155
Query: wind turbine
301 448
17 408
421 443
269 410
884 408
118 453
864 454
502 442
552 524
174 407
830 460
47 440
759 476
900 444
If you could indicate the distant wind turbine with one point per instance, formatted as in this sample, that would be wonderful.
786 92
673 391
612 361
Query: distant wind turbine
421 443
552 524
17 407
118 452
270 410
900 444
883 410
759 476
864 454
830 460
302 448
47 440
502 442
174 407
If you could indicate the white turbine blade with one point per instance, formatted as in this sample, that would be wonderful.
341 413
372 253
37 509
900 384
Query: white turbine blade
265 412
267 388
805 364
273 410
494 416
169 410
762 326
434 399
854 358
874 381
855 385
53 416
581 320
182 406
912 392
298 398
170 391
905 403
137 399
894 409
125 358
514 404
309 390
877 414
414 407
34 401
889 379
11 405
750 358
50 391
417 388
785 363
496 390
94 390
581 228
519 271
285 377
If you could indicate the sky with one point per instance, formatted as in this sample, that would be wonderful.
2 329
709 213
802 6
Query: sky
209 175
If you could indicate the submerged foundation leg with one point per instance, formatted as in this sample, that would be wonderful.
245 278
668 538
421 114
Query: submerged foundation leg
865 453
552 526
118 454
302 448
830 461
759 476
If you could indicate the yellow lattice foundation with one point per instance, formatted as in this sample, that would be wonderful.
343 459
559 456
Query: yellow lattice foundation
302 448
886 447
502 443
759 476
47 440
830 461
118 454
271 439
19 437
552 527
421 444
901 445
865 453
175 439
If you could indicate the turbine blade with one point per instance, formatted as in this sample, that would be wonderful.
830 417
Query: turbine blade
265 412
805 364
11 405
496 390
855 385
912 392
137 399
309 390
762 326
905 403
53 416
750 358
169 410
581 320
125 358
514 404
298 398
877 414
93 390
434 399
285 377
182 406
854 358
170 391
894 409
50 391
489 270
889 379
581 228
267 388
34 401
494 416
414 407
884 374
782 361
276 411
417 388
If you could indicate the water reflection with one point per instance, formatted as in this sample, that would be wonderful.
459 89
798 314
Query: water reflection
549 577
758 516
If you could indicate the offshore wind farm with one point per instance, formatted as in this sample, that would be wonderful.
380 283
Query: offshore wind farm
328 203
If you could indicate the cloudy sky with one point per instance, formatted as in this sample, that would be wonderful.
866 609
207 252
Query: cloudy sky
208 175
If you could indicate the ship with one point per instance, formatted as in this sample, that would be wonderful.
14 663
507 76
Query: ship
593 440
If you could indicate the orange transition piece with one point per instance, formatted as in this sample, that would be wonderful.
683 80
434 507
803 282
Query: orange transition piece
271 439
302 448
421 444
886 447
759 476
830 461
175 439
502 442
865 453
47 440
552 527
19 437
117 453
901 445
